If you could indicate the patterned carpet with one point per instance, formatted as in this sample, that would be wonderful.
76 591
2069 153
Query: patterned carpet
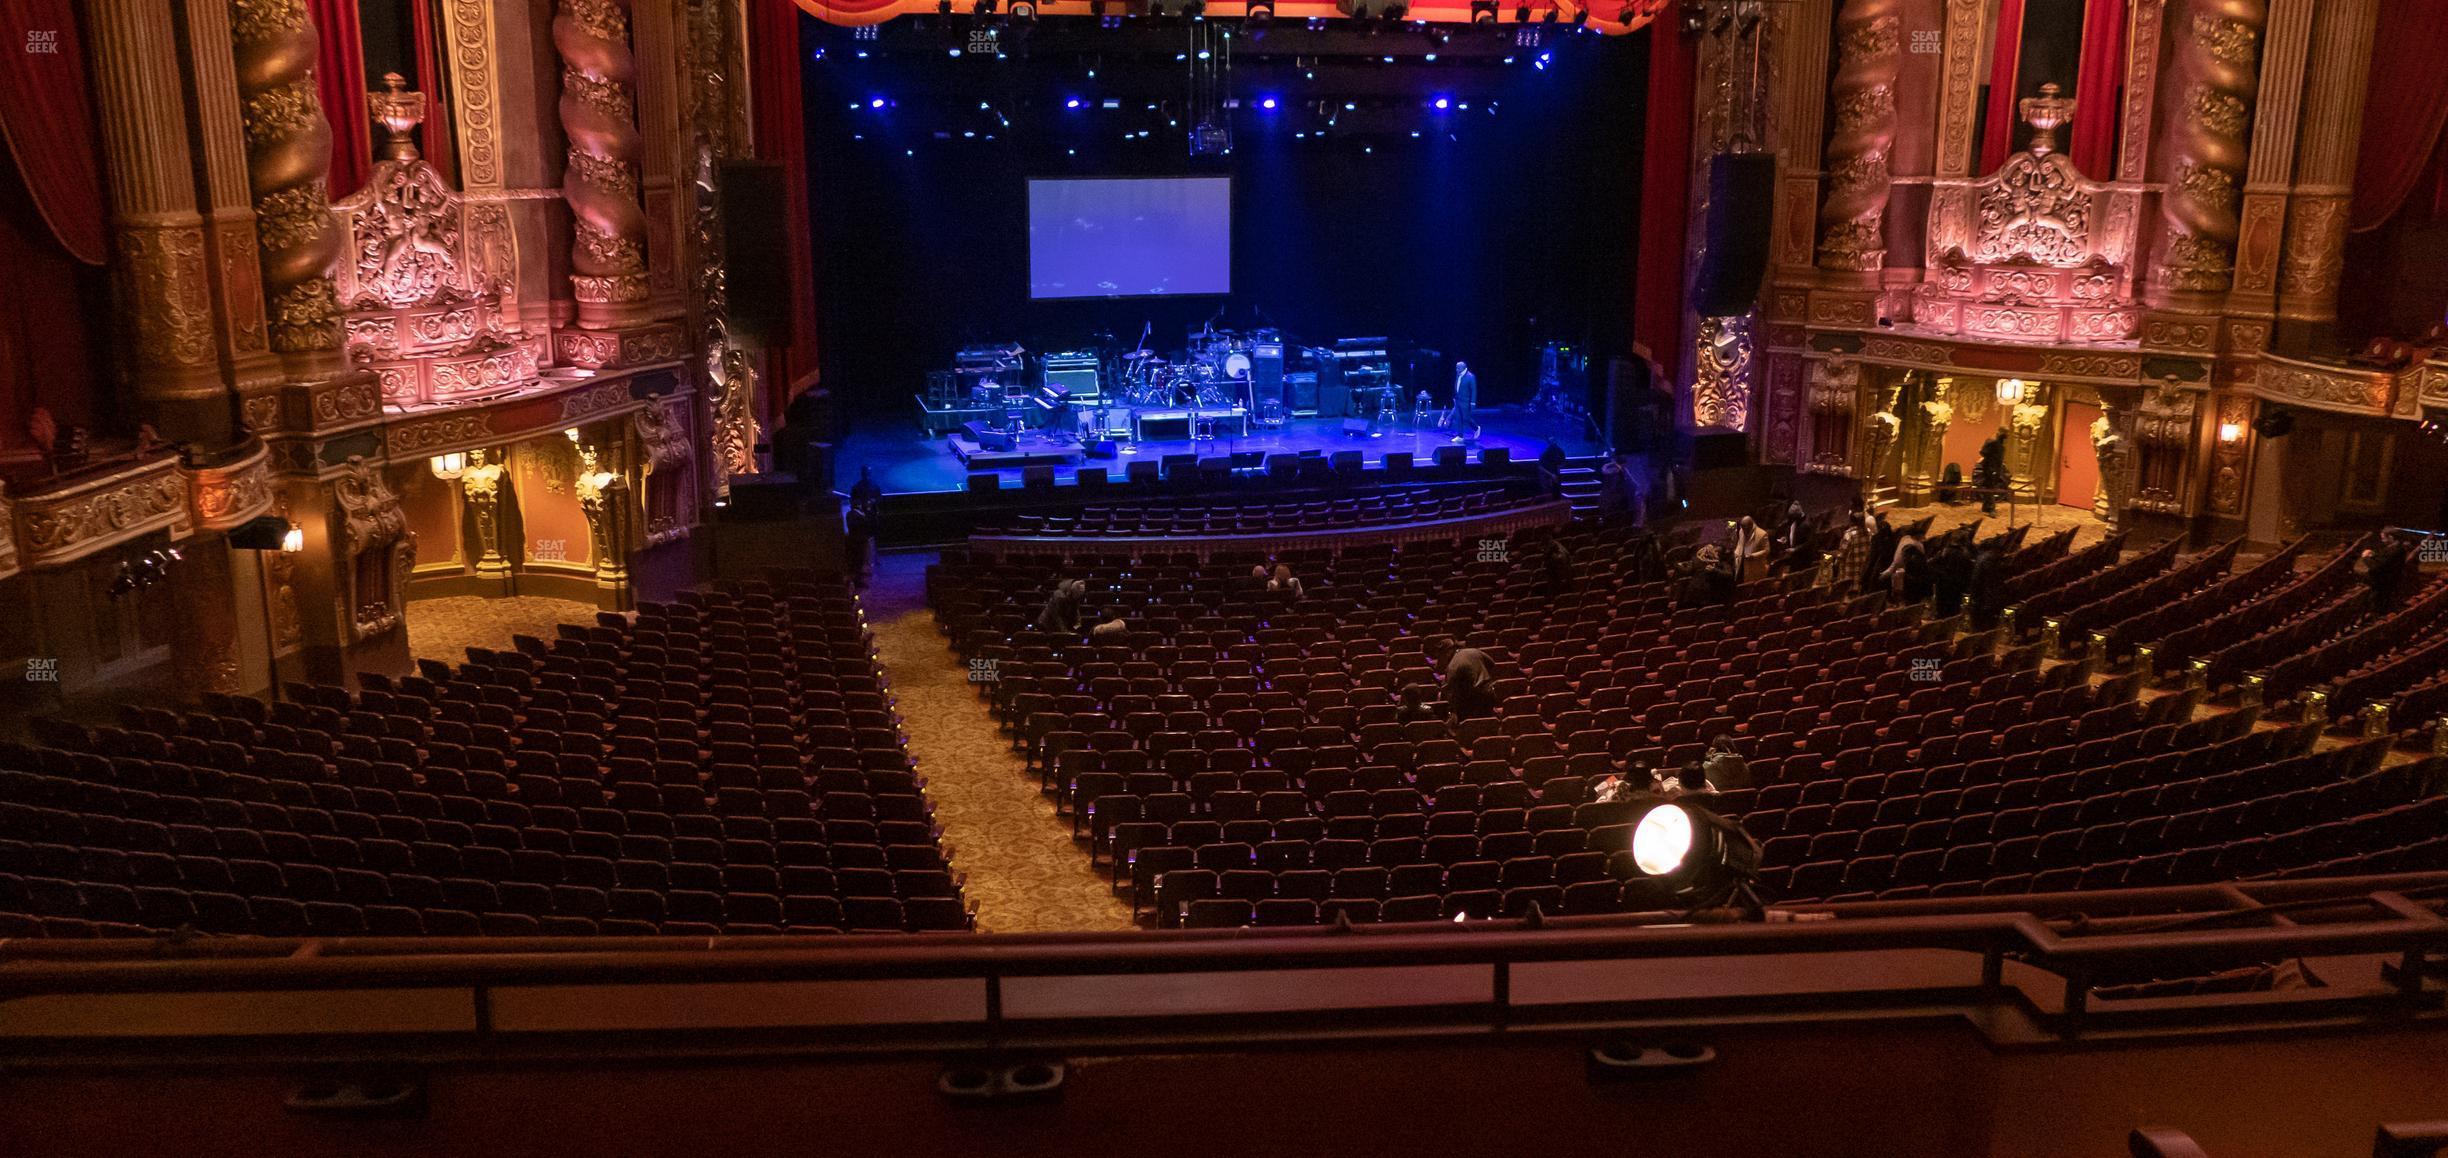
1024 872
443 629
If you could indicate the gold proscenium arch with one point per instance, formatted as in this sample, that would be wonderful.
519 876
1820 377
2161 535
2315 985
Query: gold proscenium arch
1613 17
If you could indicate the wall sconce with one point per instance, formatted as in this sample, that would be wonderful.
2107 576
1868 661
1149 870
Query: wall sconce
2231 432
447 467
2012 391
293 541
570 434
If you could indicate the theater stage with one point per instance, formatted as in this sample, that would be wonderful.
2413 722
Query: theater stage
907 461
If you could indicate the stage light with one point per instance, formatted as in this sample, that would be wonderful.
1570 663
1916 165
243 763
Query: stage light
1348 106
1023 10
952 52
1521 15
969 134
1443 103
943 7
1386 59
1483 11
1550 17
1266 103
875 103
1073 103
1581 18
1260 13
1203 54
1700 858
1430 58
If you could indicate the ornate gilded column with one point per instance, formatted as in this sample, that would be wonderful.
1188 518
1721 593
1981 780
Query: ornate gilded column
228 203
605 497
1928 462
2212 85
599 116
2324 169
2026 448
2113 446
2286 40
480 485
718 130
160 274
1869 57
289 148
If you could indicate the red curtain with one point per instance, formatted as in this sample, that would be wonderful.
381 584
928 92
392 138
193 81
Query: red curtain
1666 173
773 45
47 117
1997 132
2096 105
435 137
2406 105
341 80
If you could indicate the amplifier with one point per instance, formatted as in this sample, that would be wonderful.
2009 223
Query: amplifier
1301 393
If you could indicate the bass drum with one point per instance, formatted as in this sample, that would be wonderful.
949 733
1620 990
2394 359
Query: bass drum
1237 364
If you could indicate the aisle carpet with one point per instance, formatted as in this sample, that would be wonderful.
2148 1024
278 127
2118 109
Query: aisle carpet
1024 873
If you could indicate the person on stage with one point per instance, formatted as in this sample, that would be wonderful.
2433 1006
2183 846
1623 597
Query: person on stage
1465 404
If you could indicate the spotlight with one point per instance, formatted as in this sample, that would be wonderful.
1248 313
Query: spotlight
1551 15
1261 13
1203 54
875 102
1521 15
1073 103
1700 858
1580 17
1266 102
1024 9
1443 103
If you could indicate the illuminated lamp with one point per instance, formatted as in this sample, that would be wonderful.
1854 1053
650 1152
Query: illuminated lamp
2012 391
293 540
2231 432
1700 858
447 467
266 533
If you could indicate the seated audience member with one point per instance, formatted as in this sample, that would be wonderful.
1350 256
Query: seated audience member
1951 576
1724 768
1419 702
2383 568
1470 684
1062 609
1610 790
1284 585
1557 559
1906 576
1115 629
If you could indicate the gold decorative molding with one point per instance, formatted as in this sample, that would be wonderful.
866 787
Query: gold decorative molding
226 496
60 525
160 283
8 534
1960 87
2325 387
370 521
2231 459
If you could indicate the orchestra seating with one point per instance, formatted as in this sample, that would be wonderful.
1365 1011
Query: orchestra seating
1242 760
725 764
1389 506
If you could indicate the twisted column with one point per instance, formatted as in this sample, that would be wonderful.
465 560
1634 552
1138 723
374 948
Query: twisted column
289 148
1869 58
599 116
2214 80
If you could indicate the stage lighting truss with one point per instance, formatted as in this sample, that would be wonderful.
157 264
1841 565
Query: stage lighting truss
1704 860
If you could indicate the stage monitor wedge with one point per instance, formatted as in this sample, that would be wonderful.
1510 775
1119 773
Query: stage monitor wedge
756 271
1129 237
1742 188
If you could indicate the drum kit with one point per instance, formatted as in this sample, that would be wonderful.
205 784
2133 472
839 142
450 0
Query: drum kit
1215 378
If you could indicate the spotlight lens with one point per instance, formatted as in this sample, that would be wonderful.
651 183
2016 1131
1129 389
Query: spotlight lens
1443 103
877 103
1268 103
1073 103
1661 840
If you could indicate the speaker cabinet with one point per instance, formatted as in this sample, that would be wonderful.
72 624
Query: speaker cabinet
1742 188
755 203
